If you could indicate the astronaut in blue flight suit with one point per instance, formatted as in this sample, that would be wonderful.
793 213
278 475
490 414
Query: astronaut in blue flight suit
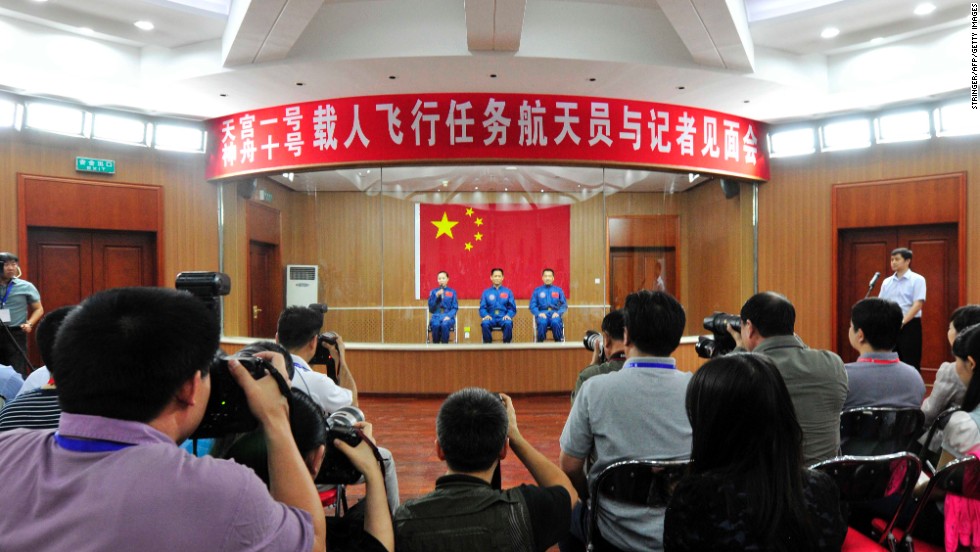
497 308
443 305
548 305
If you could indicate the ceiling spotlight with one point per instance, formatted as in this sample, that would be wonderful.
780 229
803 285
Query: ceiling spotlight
476 188
300 83
681 87
144 25
392 77
877 40
591 79
505 189
924 8
829 32
85 30
40 1
493 75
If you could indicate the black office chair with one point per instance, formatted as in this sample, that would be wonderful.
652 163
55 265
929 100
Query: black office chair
870 480
959 477
926 456
642 482
874 431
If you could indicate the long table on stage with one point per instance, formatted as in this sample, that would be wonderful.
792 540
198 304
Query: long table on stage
437 369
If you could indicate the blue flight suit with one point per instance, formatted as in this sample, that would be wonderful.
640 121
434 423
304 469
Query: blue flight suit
497 303
549 300
441 307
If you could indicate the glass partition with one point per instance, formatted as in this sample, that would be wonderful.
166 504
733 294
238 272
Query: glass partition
379 236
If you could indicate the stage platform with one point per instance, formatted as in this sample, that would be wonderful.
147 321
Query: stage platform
435 369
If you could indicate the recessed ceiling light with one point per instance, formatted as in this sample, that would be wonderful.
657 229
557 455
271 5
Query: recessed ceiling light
86 30
40 1
829 32
476 187
924 8
300 83
493 75
144 25
505 189
392 77
681 87
591 79
877 40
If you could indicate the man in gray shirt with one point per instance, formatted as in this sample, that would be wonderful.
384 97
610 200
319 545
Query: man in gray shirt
816 379
635 413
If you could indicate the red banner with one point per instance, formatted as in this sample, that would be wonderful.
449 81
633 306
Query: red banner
467 241
486 128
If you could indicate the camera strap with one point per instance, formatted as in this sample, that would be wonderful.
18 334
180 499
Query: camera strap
88 445
377 456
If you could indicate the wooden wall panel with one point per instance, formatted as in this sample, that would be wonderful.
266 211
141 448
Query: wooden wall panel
190 222
796 255
126 206
937 201
641 231
263 223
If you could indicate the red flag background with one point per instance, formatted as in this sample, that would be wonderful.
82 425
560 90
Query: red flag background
467 241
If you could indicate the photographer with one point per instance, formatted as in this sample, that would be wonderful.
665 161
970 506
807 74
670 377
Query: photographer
367 525
113 477
608 355
299 332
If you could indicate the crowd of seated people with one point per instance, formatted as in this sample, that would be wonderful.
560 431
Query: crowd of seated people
127 380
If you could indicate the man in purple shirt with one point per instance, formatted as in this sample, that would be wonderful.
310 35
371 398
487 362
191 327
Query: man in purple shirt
111 477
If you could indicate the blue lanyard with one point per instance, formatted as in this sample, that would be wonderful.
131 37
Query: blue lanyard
637 364
299 366
88 445
6 293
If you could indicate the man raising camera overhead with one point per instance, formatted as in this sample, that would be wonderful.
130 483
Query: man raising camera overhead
112 477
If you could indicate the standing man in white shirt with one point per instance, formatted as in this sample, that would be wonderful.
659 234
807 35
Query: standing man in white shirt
908 289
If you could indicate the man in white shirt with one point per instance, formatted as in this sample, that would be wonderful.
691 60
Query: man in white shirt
908 289
298 331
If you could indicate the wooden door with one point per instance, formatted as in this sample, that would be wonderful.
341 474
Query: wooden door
265 288
68 265
634 268
866 251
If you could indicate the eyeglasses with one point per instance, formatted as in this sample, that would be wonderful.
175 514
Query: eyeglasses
10 263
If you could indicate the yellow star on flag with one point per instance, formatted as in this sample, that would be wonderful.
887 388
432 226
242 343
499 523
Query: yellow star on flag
478 222
468 246
469 211
478 236
445 226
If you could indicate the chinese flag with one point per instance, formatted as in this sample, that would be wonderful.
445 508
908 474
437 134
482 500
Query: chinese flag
467 241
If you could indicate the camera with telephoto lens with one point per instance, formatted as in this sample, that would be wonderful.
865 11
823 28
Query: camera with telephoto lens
593 341
720 342
337 468
227 411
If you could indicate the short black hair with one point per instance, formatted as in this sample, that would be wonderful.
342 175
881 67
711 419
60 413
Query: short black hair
47 331
271 346
492 270
905 252
442 272
130 349
655 321
770 313
297 326
548 270
880 320
614 323
8 257
472 429
964 317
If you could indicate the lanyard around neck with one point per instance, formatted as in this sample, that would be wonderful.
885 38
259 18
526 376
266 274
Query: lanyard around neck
88 445
640 364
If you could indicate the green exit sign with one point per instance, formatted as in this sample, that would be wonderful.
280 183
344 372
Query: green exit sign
87 164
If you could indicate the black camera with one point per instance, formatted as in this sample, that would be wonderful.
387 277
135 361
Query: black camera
227 411
720 342
337 468
322 355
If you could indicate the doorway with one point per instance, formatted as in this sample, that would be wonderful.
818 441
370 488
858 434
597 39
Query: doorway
633 268
862 252
68 265
265 294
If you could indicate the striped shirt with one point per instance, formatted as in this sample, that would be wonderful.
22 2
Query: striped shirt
38 409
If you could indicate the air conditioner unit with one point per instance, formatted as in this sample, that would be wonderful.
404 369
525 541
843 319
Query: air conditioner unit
302 285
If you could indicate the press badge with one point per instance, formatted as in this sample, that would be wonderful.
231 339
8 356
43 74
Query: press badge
5 316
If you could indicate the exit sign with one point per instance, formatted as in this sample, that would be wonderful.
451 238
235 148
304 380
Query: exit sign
87 164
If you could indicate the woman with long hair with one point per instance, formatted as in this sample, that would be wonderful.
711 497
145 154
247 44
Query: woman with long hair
748 488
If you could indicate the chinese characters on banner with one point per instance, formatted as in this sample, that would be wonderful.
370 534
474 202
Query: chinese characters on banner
467 241
480 127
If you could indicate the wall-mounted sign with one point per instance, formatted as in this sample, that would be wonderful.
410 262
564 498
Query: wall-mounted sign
486 128
88 164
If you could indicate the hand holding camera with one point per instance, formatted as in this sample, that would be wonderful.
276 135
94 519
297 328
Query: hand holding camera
264 395
361 456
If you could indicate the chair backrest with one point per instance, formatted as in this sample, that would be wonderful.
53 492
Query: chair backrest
864 479
938 424
959 477
642 482
875 431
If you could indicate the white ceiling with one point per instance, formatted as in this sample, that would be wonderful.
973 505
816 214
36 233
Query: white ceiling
761 59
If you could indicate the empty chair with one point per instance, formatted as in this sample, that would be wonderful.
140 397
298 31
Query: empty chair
642 482
960 478
875 481
873 431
